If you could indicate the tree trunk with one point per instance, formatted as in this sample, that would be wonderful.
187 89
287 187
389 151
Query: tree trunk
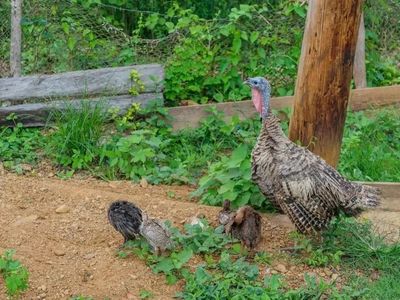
359 72
15 47
324 76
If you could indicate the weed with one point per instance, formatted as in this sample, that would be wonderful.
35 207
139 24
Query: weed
14 273
76 141
80 297
144 294
19 145
371 146
360 245
202 239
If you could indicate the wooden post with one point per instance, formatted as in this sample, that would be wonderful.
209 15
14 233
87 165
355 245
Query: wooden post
15 49
324 76
359 71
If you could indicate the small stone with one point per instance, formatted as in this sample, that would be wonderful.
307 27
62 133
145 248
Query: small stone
281 268
334 276
59 252
50 174
144 183
89 256
25 220
26 167
43 288
62 209
327 272
130 296
274 272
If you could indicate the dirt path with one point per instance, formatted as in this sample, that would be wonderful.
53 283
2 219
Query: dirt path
74 252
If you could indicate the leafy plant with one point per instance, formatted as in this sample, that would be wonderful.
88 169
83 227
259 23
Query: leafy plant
371 146
14 273
202 239
19 145
230 179
144 294
80 297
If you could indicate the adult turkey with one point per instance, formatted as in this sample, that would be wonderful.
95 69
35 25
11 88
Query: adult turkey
295 180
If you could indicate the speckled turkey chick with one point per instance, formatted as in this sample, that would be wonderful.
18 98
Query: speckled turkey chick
297 181
156 233
126 218
245 225
226 214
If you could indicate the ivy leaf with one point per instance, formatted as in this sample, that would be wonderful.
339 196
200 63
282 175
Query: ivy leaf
254 36
261 53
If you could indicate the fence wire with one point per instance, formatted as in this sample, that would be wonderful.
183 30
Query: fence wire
64 35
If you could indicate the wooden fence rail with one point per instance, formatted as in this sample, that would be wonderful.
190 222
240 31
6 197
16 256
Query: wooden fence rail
360 99
32 98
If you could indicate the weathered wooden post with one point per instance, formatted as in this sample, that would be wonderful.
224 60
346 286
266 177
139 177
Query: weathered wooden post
359 71
15 47
324 76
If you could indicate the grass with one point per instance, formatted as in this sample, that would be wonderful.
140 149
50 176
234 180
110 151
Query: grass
357 246
371 146
77 136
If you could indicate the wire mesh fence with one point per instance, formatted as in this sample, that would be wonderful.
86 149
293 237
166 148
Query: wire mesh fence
72 35
5 33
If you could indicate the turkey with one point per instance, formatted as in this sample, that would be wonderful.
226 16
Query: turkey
295 180
156 234
245 225
126 218
226 214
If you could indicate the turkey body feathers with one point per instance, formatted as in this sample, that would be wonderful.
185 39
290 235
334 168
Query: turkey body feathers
126 218
301 183
156 233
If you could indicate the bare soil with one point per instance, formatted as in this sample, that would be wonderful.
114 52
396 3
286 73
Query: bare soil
61 234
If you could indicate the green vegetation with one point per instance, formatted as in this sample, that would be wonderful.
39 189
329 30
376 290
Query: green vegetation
76 140
355 245
15 275
225 271
19 145
371 147
215 156
207 47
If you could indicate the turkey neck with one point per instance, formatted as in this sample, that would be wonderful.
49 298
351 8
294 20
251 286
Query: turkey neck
271 135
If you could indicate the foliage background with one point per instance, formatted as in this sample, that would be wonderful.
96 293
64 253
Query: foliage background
208 47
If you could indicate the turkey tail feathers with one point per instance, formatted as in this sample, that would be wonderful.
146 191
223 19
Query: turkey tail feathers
368 196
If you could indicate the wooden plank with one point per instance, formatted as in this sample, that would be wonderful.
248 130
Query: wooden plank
106 81
37 114
359 70
360 99
324 75
15 45
190 116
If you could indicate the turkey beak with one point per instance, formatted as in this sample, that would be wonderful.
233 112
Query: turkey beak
247 82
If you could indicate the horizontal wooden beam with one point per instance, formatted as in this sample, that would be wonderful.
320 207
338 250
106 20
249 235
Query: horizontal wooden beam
190 116
360 99
80 84
37 114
